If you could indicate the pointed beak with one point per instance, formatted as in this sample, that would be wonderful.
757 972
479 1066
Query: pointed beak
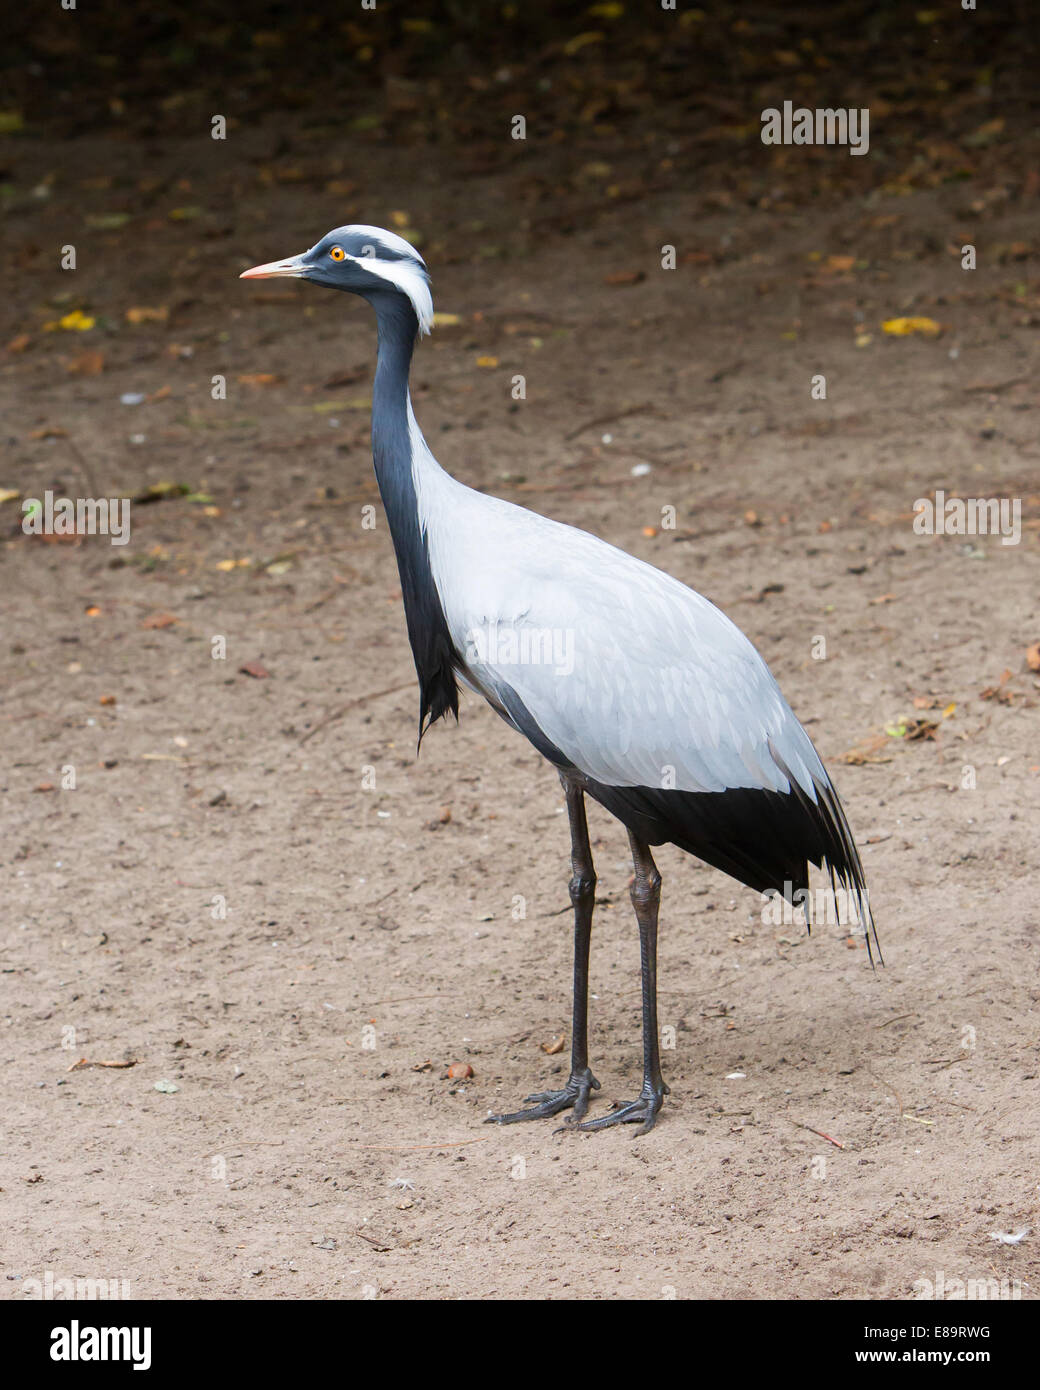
293 267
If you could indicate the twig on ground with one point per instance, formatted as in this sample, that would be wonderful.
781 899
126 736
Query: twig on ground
352 704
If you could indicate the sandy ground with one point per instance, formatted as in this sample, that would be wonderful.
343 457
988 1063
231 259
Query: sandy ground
375 936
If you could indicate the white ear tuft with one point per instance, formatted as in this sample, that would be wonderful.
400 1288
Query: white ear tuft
408 274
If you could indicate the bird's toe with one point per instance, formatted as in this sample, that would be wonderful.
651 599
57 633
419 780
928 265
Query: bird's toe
575 1095
642 1112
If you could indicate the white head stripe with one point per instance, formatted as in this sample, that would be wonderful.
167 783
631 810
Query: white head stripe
408 274
408 278
381 237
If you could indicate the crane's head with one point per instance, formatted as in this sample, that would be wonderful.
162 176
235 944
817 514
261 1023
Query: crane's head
368 261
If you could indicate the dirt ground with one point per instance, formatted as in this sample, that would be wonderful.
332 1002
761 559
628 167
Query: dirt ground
832 1132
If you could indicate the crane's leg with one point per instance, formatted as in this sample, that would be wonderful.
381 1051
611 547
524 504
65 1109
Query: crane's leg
646 898
583 895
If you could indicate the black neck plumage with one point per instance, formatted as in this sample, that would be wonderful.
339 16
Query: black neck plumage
392 454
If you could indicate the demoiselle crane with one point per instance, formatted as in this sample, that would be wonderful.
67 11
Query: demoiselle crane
641 693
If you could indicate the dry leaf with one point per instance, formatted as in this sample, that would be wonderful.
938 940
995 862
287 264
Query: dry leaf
76 322
901 328
159 620
254 669
919 729
624 277
1033 657
141 313
556 1045
86 364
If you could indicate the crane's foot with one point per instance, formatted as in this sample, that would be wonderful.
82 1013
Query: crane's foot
642 1112
575 1095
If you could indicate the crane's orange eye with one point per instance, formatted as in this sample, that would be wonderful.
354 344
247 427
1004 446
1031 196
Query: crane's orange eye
338 254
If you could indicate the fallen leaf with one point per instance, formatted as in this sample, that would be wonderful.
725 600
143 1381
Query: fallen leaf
1033 657
487 361
141 313
20 343
76 322
624 277
920 729
254 669
155 621
260 378
86 364
556 1045
107 221
998 693
901 328
158 492
581 41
